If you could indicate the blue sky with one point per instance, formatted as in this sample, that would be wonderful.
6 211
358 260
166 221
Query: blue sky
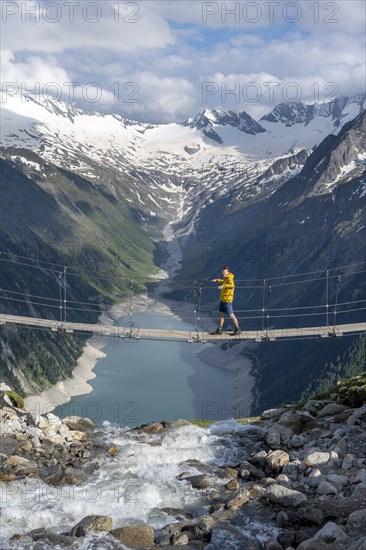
164 61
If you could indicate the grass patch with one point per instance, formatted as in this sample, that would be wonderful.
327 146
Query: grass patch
16 399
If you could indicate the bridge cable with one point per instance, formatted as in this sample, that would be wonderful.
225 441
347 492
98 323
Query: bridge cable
87 271
336 302
131 324
327 297
269 290
263 303
65 283
60 293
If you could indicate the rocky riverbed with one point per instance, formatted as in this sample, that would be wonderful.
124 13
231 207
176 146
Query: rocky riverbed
297 479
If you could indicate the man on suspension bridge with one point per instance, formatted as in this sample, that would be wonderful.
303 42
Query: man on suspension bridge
226 301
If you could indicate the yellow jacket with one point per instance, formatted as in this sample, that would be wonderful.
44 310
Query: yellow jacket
227 291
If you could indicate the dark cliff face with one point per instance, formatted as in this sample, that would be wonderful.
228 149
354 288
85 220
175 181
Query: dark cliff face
47 223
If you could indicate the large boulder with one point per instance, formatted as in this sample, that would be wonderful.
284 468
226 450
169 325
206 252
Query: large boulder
135 536
91 524
202 481
153 428
284 496
331 533
291 424
356 522
71 476
242 497
316 458
277 459
79 424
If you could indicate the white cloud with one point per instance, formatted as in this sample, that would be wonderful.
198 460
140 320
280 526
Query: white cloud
169 52
121 30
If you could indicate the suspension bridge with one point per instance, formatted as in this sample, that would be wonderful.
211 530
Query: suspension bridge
322 320
135 332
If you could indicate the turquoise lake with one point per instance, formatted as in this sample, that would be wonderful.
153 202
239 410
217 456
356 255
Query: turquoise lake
143 381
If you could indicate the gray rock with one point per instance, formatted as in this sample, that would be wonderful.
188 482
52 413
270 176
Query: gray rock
277 459
135 536
36 420
91 524
286 538
360 477
242 497
153 428
71 476
315 478
177 513
337 479
254 472
357 522
202 481
357 417
298 441
310 515
51 474
291 468
348 462
331 409
286 497
79 424
315 405
330 533
291 424
233 485
326 488
282 519
358 545
273 440
342 444
180 539
53 419
316 458
283 479
359 489
205 523
273 414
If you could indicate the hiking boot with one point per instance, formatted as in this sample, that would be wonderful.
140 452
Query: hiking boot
217 331
236 332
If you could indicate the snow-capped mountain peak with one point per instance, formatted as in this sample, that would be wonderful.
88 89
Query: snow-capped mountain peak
161 165
340 110
209 119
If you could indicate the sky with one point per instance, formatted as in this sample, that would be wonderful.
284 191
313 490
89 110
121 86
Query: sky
166 60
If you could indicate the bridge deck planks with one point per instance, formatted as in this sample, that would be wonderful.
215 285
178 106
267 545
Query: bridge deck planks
135 332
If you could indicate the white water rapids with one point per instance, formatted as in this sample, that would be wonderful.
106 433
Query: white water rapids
131 487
